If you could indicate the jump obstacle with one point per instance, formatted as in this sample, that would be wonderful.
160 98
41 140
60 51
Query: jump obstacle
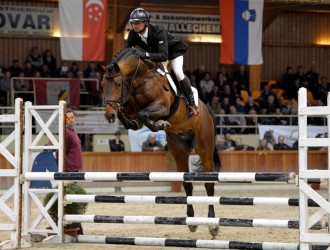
306 239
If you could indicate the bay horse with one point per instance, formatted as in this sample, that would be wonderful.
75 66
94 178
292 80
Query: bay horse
138 92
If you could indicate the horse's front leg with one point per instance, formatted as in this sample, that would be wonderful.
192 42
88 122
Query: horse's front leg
188 187
214 230
128 123
150 116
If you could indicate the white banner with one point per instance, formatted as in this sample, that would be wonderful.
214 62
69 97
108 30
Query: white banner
28 20
192 27
87 122
137 137
290 132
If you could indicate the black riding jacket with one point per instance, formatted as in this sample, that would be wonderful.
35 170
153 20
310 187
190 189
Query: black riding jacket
162 45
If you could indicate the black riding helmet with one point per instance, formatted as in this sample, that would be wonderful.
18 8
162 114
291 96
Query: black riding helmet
139 14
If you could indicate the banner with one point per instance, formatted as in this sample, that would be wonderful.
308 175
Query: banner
137 137
87 122
190 27
82 24
290 133
241 30
50 92
28 20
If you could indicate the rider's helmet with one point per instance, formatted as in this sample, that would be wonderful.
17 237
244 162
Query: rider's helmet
139 14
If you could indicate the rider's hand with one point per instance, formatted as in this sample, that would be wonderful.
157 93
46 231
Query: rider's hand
141 54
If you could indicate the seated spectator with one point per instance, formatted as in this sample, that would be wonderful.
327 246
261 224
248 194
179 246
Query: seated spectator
269 137
214 108
207 82
263 145
251 120
75 69
5 88
117 145
90 70
35 59
45 72
239 107
15 69
242 78
229 142
28 70
250 105
221 146
236 119
294 119
279 119
280 145
49 60
241 146
23 85
61 71
151 144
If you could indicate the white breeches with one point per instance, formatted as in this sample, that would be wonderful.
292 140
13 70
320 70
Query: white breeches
177 67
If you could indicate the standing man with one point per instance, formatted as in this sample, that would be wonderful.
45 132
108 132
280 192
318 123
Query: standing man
117 145
73 156
161 46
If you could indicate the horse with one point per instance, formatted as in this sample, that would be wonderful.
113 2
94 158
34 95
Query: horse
139 93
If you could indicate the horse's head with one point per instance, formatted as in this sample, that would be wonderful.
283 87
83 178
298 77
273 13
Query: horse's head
119 79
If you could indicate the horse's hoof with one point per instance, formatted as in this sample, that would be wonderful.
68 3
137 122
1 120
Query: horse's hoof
164 124
192 228
214 230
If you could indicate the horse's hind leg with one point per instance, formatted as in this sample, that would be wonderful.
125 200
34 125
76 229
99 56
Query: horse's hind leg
214 230
180 151
188 187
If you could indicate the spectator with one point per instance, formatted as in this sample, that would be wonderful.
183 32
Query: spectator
49 60
207 82
242 78
288 82
269 137
215 109
15 69
263 145
221 81
239 106
74 69
117 145
45 72
240 146
73 157
322 90
251 122
199 73
61 71
280 145
23 85
236 119
90 71
279 119
250 105
270 104
312 77
229 142
5 88
221 146
28 70
35 59
151 144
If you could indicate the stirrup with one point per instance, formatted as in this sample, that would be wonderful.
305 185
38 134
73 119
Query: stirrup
192 112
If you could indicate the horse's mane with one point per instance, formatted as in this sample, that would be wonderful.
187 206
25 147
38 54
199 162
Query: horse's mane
122 53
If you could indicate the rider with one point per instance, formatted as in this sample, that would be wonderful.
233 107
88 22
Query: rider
161 46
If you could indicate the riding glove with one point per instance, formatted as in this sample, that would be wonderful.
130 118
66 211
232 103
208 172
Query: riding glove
141 54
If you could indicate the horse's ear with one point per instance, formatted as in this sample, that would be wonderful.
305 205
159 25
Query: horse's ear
101 68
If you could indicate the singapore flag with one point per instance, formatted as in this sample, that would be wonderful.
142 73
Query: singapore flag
82 24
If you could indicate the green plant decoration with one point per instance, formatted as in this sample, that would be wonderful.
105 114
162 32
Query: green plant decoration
73 208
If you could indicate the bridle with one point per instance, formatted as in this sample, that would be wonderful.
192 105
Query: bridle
127 87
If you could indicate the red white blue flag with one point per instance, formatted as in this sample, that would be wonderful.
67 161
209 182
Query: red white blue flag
82 24
241 31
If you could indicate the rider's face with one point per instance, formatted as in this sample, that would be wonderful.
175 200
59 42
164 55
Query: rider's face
138 26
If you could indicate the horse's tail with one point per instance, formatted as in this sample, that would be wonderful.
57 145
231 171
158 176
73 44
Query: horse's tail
217 160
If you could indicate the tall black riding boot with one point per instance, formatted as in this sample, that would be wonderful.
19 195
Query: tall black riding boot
192 109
